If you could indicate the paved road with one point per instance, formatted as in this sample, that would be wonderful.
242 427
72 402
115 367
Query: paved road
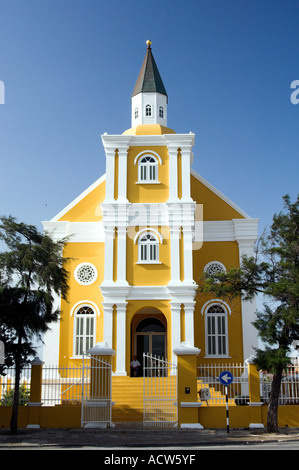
133 438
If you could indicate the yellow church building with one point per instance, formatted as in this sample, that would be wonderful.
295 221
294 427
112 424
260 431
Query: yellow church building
139 239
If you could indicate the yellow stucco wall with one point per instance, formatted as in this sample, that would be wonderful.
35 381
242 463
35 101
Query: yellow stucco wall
88 209
226 253
214 208
143 193
79 294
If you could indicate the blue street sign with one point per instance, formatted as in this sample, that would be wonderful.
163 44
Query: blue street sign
226 377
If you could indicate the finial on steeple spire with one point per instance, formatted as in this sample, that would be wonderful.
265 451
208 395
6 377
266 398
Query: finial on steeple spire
149 43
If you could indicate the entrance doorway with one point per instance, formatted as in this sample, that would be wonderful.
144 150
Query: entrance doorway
150 338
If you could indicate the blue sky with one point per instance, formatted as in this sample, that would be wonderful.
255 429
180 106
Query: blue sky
69 68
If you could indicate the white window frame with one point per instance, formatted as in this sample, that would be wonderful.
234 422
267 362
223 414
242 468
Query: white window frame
148 110
161 112
216 339
136 113
148 248
148 170
84 329
93 274
220 267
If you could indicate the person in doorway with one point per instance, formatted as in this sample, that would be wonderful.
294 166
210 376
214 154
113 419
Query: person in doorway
135 365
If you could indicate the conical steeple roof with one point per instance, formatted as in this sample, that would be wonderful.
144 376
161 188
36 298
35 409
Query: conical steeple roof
149 79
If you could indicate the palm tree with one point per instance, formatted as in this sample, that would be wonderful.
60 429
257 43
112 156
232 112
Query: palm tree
32 272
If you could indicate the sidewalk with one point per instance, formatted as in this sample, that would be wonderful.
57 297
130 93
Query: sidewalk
135 435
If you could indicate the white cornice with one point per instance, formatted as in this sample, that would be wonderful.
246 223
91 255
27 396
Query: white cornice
76 232
177 140
241 230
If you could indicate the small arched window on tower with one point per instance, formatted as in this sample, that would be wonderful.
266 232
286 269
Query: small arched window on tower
148 110
148 248
136 113
161 112
148 169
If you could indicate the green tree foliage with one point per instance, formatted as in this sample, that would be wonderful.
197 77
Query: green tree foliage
273 272
32 271
8 396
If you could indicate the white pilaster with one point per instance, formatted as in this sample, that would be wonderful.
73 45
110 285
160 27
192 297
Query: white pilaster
121 255
175 254
173 173
109 244
121 339
110 174
175 326
246 236
122 173
186 155
188 255
189 322
108 323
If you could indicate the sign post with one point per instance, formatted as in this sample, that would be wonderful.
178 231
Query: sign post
226 379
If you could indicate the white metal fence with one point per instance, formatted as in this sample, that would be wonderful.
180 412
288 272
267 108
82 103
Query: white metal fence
96 393
289 390
159 392
212 392
7 386
62 385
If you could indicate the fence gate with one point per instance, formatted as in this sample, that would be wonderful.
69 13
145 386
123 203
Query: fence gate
96 393
159 392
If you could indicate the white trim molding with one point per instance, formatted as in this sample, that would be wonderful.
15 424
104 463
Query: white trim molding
81 303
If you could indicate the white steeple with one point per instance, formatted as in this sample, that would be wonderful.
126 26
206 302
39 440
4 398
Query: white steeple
149 98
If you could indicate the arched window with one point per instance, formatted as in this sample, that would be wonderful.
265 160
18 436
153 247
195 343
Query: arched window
136 113
148 110
148 169
216 331
161 112
148 248
84 329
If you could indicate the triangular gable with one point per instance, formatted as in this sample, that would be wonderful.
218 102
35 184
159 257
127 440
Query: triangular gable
216 206
86 207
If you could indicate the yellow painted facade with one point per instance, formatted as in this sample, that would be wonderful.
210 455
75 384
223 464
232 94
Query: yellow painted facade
137 293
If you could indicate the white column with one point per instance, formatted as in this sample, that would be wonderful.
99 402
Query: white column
246 233
109 243
173 173
249 307
110 173
189 322
122 173
175 326
121 255
108 323
121 339
175 254
188 255
186 152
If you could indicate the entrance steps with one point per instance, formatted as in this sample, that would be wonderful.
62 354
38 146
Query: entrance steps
128 397
216 397
127 394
